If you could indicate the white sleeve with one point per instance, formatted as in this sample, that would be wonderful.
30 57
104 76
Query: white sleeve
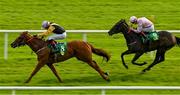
140 27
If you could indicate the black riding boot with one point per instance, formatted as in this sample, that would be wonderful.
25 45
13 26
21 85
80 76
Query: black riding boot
53 44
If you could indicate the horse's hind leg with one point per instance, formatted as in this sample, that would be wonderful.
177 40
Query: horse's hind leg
94 65
160 56
137 55
54 71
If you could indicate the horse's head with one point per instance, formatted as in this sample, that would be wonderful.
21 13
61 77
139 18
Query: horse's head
21 40
118 27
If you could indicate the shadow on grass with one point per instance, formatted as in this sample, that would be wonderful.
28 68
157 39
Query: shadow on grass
95 80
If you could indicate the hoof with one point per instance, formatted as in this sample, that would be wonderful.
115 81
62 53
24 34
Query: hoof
126 66
144 63
106 73
143 71
60 81
108 80
26 82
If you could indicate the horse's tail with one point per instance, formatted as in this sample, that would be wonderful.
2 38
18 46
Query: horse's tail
100 52
178 41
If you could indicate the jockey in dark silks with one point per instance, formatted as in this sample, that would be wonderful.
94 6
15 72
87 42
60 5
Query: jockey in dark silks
55 29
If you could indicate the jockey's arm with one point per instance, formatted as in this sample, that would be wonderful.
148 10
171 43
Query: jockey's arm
139 28
136 31
49 31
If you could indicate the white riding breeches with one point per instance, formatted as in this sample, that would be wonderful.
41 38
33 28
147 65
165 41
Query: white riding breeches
149 29
57 36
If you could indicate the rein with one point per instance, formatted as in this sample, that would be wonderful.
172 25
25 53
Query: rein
40 50
29 40
129 30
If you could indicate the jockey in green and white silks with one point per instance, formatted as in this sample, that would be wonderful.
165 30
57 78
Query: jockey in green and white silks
143 24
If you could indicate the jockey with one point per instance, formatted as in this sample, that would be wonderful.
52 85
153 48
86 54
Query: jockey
144 25
57 30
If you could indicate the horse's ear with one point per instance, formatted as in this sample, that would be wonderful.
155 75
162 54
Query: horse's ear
122 20
25 32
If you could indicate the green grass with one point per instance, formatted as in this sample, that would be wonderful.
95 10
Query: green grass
87 14
16 70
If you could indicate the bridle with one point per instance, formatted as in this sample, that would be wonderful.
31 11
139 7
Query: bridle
30 40
129 31
126 26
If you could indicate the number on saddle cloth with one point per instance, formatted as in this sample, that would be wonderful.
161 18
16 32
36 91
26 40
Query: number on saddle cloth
151 36
60 47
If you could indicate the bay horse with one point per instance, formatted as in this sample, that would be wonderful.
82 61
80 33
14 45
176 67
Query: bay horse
166 41
79 49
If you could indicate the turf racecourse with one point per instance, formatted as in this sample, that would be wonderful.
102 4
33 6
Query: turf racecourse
15 70
87 14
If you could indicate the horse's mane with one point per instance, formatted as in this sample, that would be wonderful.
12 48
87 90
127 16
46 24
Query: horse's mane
132 34
39 38
33 36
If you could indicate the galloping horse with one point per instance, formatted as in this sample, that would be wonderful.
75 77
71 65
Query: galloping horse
166 41
79 49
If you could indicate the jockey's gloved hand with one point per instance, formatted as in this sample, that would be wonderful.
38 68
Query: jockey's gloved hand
143 34
132 29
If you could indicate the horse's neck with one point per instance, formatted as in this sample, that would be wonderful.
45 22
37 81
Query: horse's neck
128 36
36 44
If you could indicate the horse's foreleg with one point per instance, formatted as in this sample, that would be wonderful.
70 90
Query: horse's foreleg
94 65
137 55
160 56
122 58
37 68
54 71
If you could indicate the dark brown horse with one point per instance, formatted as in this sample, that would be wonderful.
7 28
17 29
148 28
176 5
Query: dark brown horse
166 41
79 49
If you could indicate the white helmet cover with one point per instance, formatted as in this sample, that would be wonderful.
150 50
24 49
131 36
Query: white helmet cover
133 19
45 24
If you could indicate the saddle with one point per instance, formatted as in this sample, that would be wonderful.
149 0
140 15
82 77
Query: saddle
58 48
150 36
